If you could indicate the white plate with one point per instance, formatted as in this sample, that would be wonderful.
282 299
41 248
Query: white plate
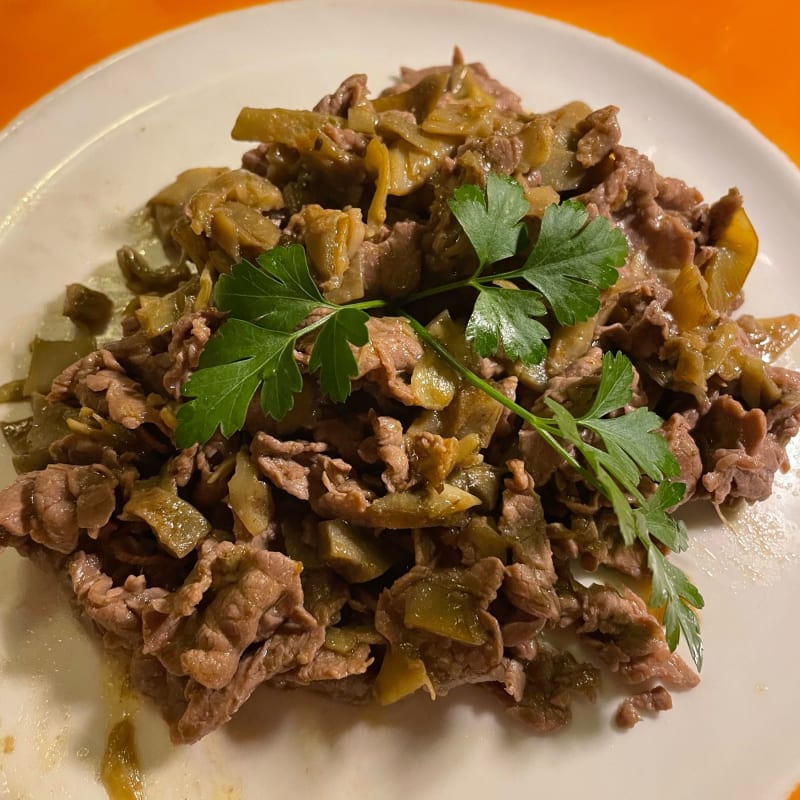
79 162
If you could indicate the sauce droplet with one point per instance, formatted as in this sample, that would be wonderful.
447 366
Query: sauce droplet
119 769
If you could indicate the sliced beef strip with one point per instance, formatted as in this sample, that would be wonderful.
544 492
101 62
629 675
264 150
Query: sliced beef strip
235 595
387 444
387 360
141 622
552 680
115 610
653 700
189 336
599 135
678 432
505 99
529 580
500 154
98 382
625 635
144 358
350 92
391 266
293 643
58 504
739 456
327 665
660 216
287 464
635 319
354 689
449 663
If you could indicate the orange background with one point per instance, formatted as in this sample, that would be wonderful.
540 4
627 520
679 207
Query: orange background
744 52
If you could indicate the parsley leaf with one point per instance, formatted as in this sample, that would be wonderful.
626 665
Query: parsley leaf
673 590
569 264
279 296
255 346
572 260
332 355
504 316
492 219
232 365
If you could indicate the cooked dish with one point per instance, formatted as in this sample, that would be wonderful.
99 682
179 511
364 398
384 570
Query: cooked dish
410 407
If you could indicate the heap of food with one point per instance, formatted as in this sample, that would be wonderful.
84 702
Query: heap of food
410 408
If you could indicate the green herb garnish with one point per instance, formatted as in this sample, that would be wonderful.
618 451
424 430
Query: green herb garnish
572 260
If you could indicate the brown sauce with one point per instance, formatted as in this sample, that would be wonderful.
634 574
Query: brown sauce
119 770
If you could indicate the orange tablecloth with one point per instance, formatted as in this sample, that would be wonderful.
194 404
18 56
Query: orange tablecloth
742 51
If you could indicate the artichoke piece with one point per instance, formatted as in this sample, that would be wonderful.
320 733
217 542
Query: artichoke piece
562 170
376 161
425 508
420 99
433 382
771 335
413 157
442 605
50 358
568 343
402 673
185 185
299 548
157 314
16 433
467 110
141 277
689 304
483 537
238 186
87 307
481 480
332 237
178 525
302 130
345 640
362 117
13 391
539 198
472 411
167 207
356 554
236 227
249 497
727 271
537 143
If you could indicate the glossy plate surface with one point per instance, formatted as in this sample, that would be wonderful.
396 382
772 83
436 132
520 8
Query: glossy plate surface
80 162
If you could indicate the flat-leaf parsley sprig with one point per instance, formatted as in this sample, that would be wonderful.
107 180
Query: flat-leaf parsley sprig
275 303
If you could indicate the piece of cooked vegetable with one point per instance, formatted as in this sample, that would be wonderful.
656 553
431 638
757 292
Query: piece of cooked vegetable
402 673
249 497
87 307
443 605
736 249
177 524
355 553
49 358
